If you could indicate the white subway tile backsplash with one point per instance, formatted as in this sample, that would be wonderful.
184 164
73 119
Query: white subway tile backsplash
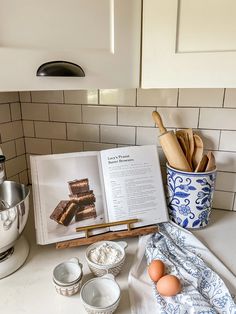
48 96
157 97
55 130
25 97
99 114
7 97
28 128
15 166
201 97
230 97
83 132
67 121
65 113
217 118
11 130
211 138
118 134
15 111
226 181
34 111
146 136
228 140
14 178
223 200
225 161
91 146
60 146
23 176
20 146
37 146
119 97
81 97
5 114
179 117
135 116
9 149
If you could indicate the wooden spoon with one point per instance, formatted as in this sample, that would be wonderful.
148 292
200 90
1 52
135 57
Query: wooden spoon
198 150
211 162
201 167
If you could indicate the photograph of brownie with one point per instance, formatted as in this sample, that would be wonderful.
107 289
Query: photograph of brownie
64 212
85 212
80 205
78 186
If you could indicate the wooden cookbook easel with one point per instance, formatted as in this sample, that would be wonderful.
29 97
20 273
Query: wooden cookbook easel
110 235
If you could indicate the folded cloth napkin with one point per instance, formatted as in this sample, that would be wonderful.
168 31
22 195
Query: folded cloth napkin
206 283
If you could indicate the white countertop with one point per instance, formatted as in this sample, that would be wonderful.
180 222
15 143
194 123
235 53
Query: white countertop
30 290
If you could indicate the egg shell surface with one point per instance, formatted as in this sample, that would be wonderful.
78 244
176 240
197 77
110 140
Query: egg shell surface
156 269
169 285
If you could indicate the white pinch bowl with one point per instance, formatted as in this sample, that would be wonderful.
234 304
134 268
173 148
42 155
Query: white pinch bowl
67 277
100 295
99 269
68 290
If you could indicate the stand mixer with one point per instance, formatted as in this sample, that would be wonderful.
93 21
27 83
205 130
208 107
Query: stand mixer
14 209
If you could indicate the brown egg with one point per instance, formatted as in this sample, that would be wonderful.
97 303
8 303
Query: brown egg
169 285
156 269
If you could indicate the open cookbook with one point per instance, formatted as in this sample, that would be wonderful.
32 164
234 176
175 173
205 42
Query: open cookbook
86 188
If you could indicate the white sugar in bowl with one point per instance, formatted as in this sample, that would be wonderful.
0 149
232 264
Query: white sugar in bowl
105 257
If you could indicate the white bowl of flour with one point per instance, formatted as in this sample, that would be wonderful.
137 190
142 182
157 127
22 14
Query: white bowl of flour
105 257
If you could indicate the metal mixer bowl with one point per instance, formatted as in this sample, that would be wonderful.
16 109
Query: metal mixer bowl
14 209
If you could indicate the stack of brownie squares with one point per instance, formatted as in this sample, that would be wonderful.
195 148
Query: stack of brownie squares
81 204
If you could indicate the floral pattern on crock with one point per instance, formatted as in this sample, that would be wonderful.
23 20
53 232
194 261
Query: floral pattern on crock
185 209
203 291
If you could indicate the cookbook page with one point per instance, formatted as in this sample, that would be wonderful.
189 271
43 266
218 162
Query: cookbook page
67 194
133 185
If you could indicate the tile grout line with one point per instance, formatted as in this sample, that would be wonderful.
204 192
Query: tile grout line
234 200
198 121
223 100
177 104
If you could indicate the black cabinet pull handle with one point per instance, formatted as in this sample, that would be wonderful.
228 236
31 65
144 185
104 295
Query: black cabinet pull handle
60 68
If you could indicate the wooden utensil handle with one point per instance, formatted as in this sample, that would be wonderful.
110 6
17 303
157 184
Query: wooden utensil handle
157 118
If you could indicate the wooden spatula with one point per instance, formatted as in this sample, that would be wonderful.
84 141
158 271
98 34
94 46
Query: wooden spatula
198 150
211 162
201 167
186 135
191 146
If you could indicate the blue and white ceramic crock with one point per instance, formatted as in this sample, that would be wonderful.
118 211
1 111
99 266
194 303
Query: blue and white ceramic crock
189 197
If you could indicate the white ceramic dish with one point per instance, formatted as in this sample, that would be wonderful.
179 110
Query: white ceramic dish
100 295
115 268
68 272
68 290
67 277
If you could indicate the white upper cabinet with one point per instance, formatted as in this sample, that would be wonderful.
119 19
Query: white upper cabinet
103 37
189 43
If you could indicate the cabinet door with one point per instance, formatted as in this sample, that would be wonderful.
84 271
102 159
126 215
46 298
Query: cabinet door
189 43
103 37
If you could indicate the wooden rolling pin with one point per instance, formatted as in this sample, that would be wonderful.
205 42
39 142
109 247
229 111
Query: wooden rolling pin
171 146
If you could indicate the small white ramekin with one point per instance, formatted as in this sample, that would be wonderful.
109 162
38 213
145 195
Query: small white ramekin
115 268
100 295
67 277
68 290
